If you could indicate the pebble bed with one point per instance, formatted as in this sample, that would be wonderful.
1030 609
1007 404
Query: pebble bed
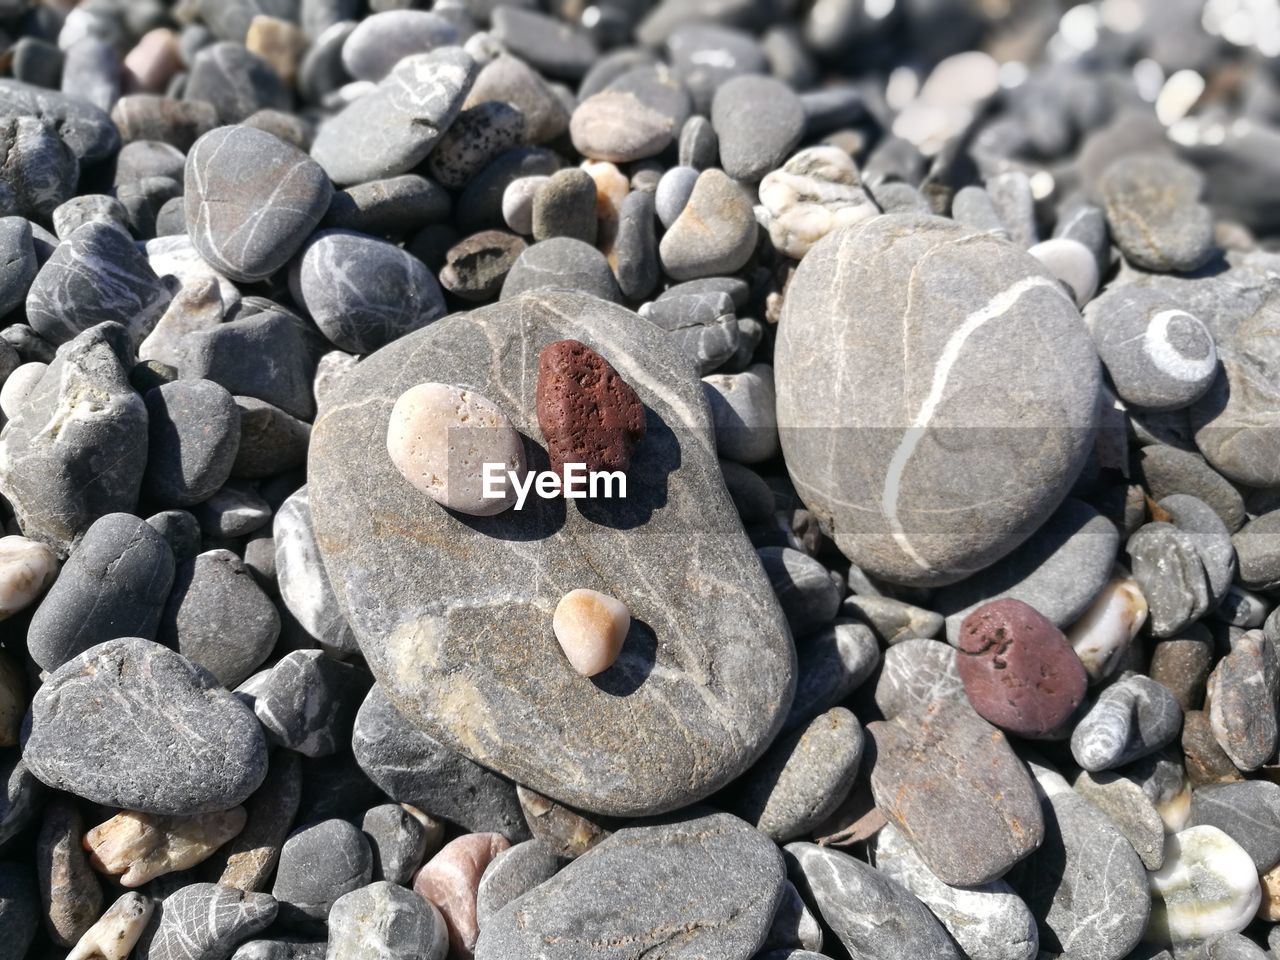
927 355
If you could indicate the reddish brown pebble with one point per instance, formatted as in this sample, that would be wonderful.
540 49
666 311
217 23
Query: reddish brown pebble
450 880
1018 669
587 413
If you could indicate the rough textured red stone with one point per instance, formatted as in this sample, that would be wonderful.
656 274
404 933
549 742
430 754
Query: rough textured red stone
1018 669
587 412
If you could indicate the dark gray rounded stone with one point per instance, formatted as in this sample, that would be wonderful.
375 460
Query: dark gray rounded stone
115 584
318 864
446 571
1132 718
1085 885
699 145
281 950
19 908
304 583
1155 215
385 922
564 264
38 170
78 211
1257 546
140 159
393 129
394 207
83 127
706 55
252 199
1180 592
412 767
308 701
969 445
236 510
94 276
513 873
238 83
19 793
215 755
193 429
550 45
830 665
809 595
636 246
1158 355
565 206
17 262
1166 470
951 782
398 840
204 922
363 292
58 484
1058 570
1122 798
180 530
704 883
916 673
802 778
146 116
701 324
1247 811
380 41
218 616
871 914
271 441
759 122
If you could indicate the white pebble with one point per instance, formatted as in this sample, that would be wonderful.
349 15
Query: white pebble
1208 885
1072 263
440 437
818 190
27 568
517 203
19 385
117 931
591 627
1102 635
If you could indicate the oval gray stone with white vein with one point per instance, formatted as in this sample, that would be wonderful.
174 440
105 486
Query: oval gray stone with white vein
251 199
962 373
214 754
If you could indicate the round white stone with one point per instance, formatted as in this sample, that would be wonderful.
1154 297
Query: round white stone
1071 262
27 568
1103 633
1207 886
440 437
591 627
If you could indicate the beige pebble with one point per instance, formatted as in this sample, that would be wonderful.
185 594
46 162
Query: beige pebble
142 846
1103 633
450 880
13 702
591 627
27 569
441 436
152 62
1270 908
278 42
117 931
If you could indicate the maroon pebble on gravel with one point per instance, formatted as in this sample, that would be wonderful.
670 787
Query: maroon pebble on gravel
1018 670
586 411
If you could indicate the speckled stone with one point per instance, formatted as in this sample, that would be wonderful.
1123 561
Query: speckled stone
218 754
951 782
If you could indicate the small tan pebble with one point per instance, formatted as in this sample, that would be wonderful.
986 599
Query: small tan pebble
278 42
27 569
117 931
591 627
1270 908
450 880
433 828
440 437
13 703
612 187
141 846
152 62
